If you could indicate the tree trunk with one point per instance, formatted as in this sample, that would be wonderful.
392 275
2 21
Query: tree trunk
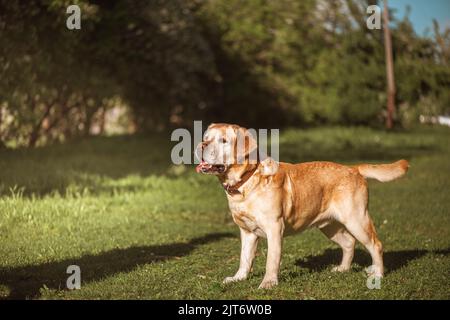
101 119
1 133
389 69
34 135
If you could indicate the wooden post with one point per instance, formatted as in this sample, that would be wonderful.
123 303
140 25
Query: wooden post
389 68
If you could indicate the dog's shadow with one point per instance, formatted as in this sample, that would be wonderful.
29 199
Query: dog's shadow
393 260
25 282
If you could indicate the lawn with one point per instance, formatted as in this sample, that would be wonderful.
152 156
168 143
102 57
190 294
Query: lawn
141 228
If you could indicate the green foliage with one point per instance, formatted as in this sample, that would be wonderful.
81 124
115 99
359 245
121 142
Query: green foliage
171 62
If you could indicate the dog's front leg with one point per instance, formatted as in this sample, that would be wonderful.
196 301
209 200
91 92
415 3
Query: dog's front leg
249 242
274 243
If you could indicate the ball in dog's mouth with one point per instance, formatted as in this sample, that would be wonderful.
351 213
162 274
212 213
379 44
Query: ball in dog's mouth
204 167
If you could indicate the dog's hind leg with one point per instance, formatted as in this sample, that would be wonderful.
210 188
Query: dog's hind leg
362 228
337 233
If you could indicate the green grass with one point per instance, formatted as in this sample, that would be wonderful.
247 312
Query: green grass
141 228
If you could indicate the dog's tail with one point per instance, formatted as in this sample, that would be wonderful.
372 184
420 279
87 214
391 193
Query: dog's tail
383 172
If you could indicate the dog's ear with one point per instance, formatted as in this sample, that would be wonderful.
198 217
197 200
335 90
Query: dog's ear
246 145
269 167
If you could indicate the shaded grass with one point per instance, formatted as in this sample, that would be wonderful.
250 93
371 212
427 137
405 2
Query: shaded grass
141 228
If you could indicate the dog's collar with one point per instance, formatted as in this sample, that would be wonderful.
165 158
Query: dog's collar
234 189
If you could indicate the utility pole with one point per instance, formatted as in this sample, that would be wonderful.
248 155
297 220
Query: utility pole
389 68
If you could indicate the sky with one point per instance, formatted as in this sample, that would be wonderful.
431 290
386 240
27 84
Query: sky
423 12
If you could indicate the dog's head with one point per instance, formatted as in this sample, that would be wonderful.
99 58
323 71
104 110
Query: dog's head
225 145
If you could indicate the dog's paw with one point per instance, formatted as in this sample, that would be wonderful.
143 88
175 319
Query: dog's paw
268 283
374 270
340 268
233 279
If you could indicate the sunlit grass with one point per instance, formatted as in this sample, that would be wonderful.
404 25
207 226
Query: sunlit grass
141 228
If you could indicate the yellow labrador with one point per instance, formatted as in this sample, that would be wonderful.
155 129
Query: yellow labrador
270 199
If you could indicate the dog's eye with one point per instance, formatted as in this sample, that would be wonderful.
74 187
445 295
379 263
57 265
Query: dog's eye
223 140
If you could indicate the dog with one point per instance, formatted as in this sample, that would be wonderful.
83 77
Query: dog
271 199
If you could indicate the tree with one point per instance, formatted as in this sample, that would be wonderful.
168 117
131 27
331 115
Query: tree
389 68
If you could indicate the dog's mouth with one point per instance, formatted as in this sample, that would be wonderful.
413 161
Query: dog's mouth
204 167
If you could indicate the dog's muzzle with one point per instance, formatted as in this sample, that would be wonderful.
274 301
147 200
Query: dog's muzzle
203 166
